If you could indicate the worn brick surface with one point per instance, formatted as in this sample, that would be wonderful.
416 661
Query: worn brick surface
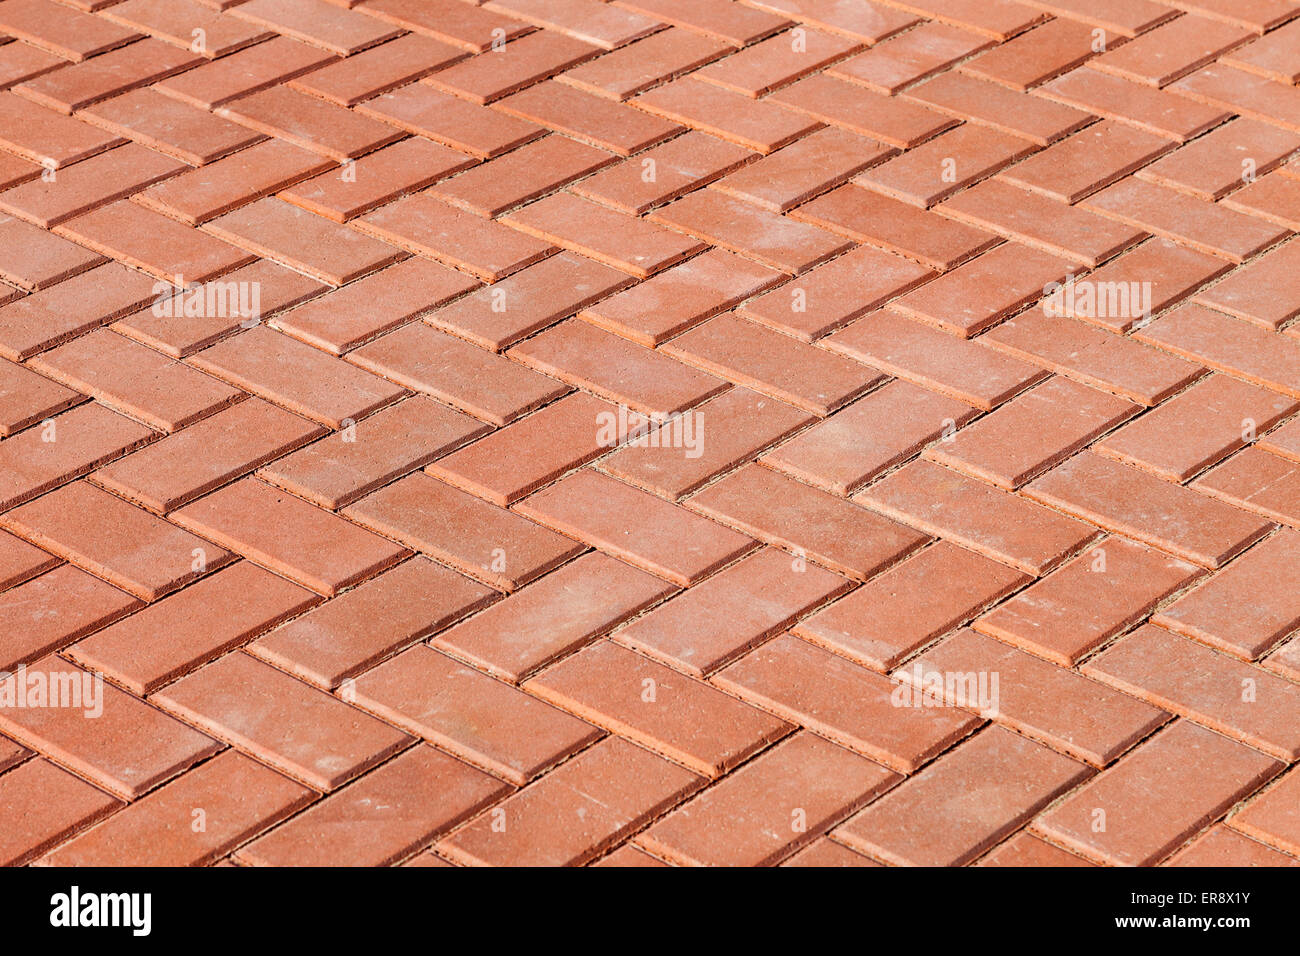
565 432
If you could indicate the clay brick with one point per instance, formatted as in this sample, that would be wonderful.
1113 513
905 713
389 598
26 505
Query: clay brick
53 610
585 356
522 175
968 371
686 720
1229 345
1248 607
20 561
982 292
627 856
680 297
1101 593
1035 56
1275 197
521 62
1272 818
664 173
376 178
84 438
135 380
1054 705
737 25
802 375
181 633
327 251
109 74
969 799
27 398
21 61
317 125
888 426
175 23
205 456
796 173
170 126
45 137
834 294
637 247
824 852
606 27
1223 693
497 316
867 216
41 806
1026 850
381 818
1256 480
1125 17
1216 163
435 229
248 71
995 523
473 716
1093 356
673 462
1032 433
239 796
1171 51
295 728
70 34
321 24
1224 88
1090 160
363 310
303 379
593 119
449 21
1284 441
128 748
1030 117
393 442
777 61
377 70
783 799
903 59
1158 111
601 511
581 809
846 703
1163 792
762 125
1208 227
1220 846
1068 231
952 161
451 121
839 534
532 452
481 540
909 605
580 601
1197 428
895 121
342 638
1269 56
756 233
33 259
999 19
92 182
464 376
217 309
662 56
304 543
715 622
1125 292
125 545
151 242
871 22
203 194
1134 503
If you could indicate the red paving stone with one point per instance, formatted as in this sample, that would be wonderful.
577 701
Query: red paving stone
545 432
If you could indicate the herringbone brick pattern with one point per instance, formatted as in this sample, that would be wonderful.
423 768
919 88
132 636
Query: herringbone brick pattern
541 432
